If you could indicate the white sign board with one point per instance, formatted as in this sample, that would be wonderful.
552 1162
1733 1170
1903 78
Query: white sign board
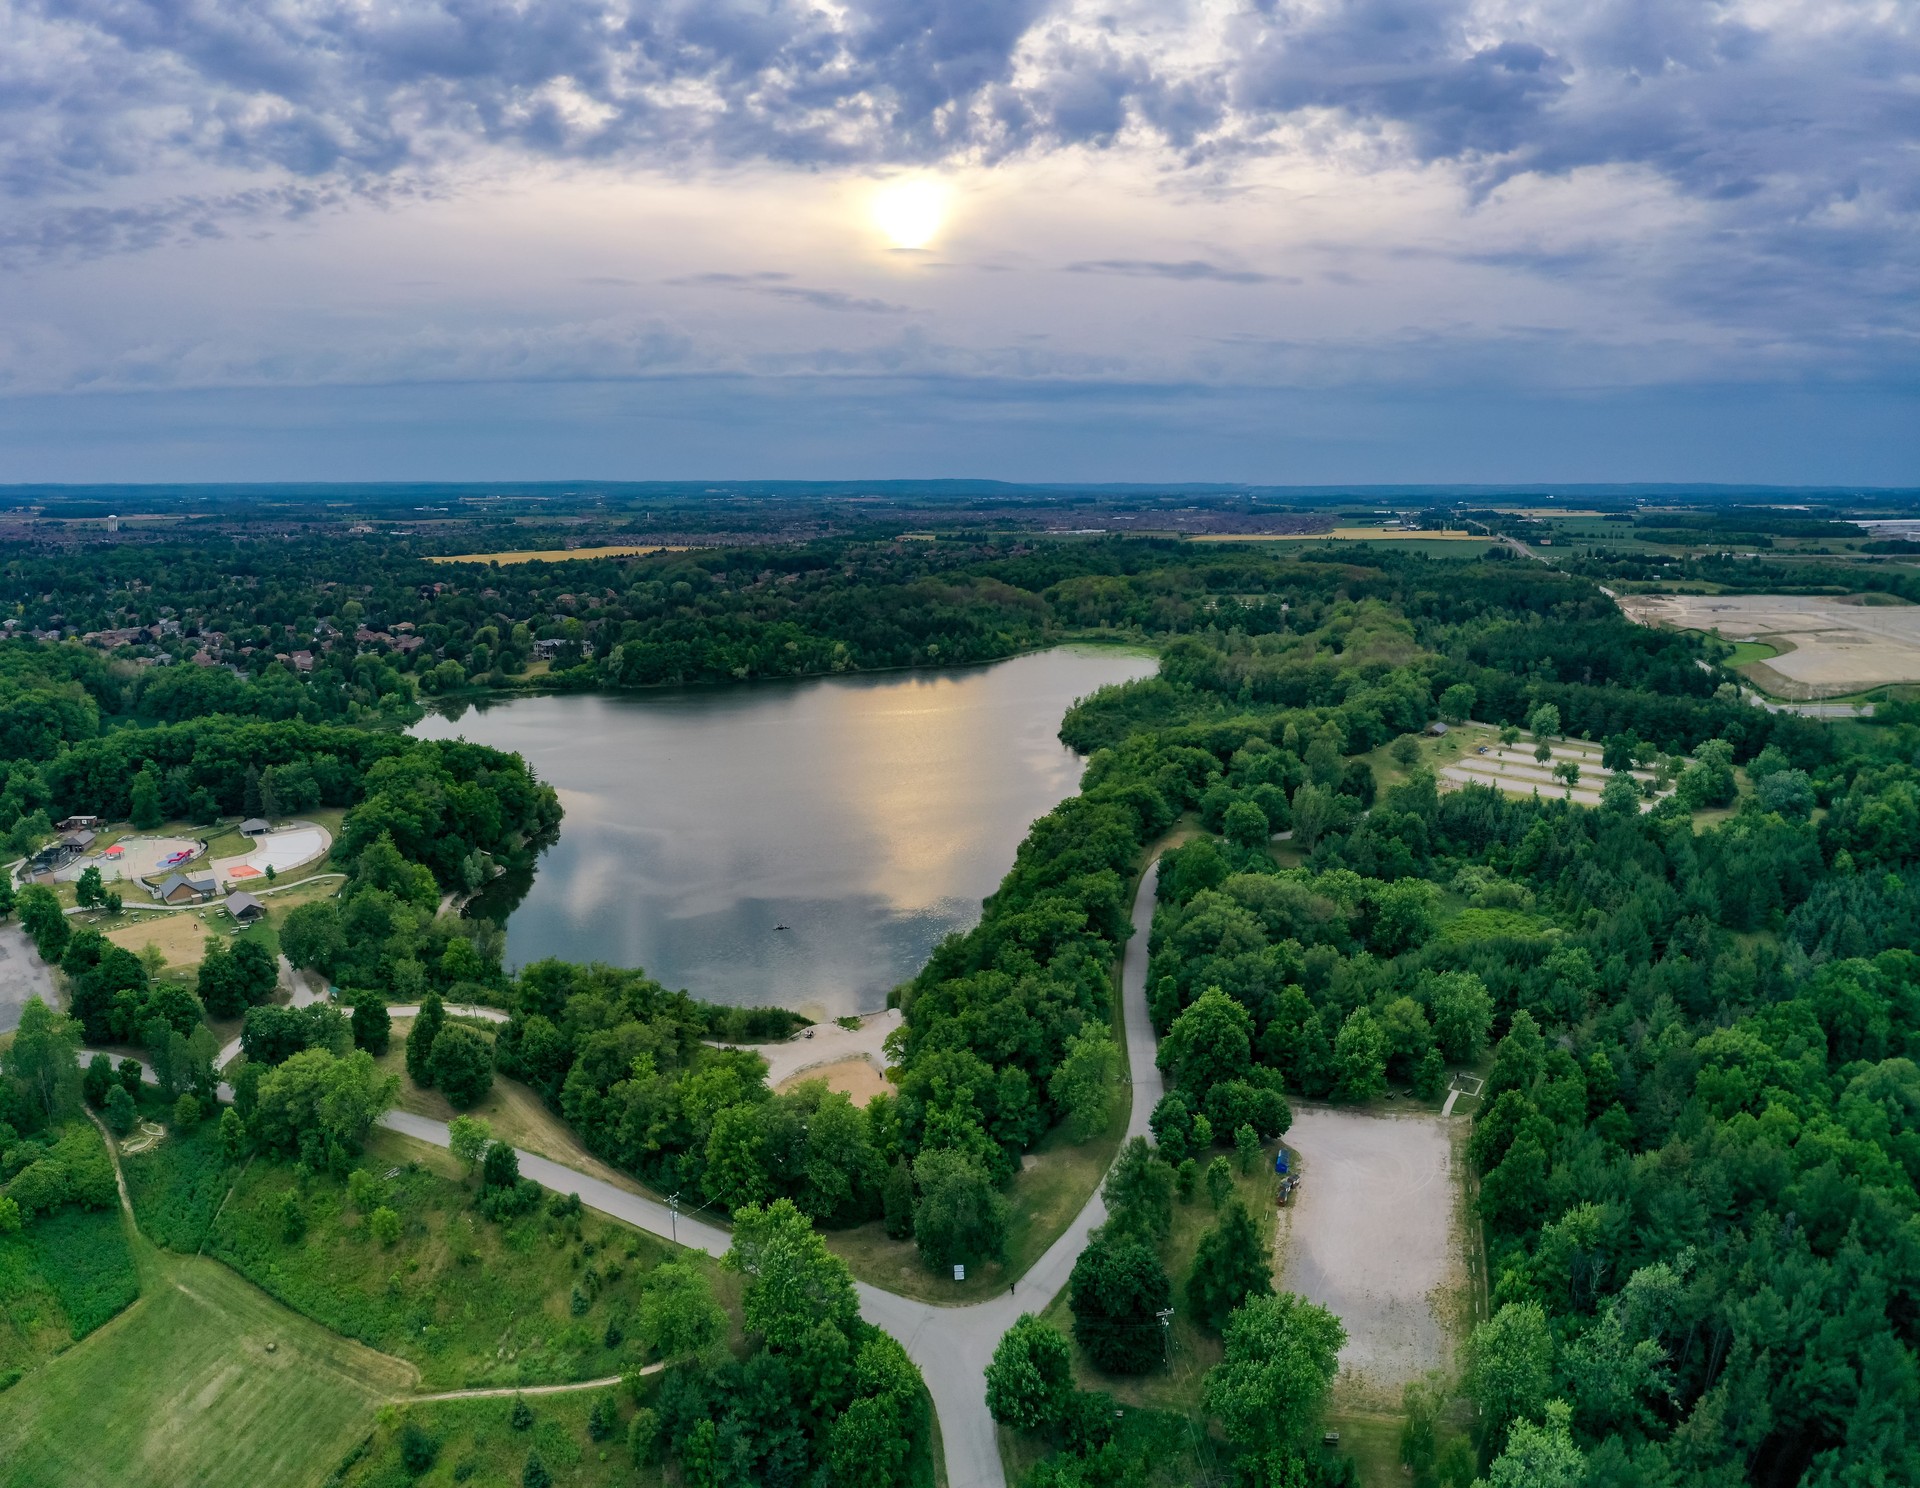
959 1273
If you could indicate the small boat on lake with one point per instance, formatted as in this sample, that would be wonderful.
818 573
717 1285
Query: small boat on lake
783 927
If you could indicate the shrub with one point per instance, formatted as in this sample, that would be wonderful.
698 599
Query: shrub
293 1219
418 1448
643 1437
385 1225
186 1111
604 1419
520 1418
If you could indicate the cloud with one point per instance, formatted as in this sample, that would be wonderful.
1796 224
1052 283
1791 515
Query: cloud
776 285
1191 268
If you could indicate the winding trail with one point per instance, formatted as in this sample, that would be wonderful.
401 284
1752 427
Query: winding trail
951 1345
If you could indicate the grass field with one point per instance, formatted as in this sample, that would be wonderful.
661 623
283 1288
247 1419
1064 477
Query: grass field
559 555
206 1383
1745 653
468 1302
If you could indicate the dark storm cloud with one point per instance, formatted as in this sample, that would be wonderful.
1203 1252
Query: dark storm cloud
1794 131
91 88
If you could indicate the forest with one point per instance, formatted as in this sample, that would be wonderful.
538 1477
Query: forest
1700 1138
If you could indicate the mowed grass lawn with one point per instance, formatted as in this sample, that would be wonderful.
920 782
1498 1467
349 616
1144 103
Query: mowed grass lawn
206 1382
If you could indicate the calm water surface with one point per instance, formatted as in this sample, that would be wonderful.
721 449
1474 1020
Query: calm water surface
869 814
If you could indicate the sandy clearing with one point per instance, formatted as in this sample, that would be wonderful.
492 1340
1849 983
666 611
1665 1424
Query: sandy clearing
827 1043
182 937
855 1077
1373 1235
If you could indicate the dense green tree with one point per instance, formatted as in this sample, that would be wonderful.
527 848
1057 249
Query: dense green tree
1231 1264
372 1026
426 1028
1116 1293
461 1065
44 921
120 1112
1139 1193
677 1315
42 1059
897 1200
793 1280
98 1082
1210 1041
321 1107
1268 1391
959 1217
1030 1377
1509 1370
1083 1085
1360 1058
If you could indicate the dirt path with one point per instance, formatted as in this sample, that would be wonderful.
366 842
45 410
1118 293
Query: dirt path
1373 1236
497 1390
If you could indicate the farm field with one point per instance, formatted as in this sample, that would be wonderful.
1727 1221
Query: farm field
558 555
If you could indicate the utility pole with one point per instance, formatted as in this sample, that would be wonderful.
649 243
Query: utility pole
673 1207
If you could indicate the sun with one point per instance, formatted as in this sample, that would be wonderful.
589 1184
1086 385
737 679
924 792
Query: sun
910 212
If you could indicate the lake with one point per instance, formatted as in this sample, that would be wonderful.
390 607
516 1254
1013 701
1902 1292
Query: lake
870 815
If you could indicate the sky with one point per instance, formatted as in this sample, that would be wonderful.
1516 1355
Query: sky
1380 240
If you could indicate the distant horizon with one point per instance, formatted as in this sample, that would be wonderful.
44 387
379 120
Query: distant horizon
958 485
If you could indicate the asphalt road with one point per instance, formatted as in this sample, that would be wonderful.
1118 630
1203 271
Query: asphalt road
951 1345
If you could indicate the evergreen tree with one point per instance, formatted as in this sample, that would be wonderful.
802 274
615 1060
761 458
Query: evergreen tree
426 1028
896 1200
1231 1264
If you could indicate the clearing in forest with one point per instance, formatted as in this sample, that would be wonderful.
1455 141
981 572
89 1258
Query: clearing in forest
1376 1235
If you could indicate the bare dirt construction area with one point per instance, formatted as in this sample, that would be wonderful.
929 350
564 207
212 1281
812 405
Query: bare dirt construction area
1376 1235
1831 646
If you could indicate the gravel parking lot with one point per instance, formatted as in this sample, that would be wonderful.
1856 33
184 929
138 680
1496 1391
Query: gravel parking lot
22 975
1375 1235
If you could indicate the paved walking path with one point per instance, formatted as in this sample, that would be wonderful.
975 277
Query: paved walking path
951 1345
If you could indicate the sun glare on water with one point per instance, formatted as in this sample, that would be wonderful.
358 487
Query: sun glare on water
910 213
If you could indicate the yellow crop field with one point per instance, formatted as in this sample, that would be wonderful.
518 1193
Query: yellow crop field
559 555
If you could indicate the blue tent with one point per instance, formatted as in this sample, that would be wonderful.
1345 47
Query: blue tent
1280 1162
